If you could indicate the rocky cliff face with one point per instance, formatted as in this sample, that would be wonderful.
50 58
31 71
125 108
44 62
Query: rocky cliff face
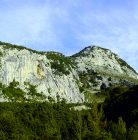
100 68
57 76
26 66
103 60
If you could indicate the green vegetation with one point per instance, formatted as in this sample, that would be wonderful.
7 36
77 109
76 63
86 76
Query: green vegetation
33 95
115 119
1 54
44 121
27 117
88 96
118 77
87 78
60 63
122 102
123 63
11 46
13 93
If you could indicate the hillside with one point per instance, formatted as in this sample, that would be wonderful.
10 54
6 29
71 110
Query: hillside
115 119
53 76
99 68
91 95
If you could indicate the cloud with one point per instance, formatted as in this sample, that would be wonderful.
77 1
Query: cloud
68 26
29 24
116 30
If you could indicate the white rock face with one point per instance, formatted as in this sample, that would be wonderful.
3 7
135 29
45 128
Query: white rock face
103 60
26 66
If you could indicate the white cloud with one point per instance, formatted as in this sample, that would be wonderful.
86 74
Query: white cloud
30 24
68 26
116 30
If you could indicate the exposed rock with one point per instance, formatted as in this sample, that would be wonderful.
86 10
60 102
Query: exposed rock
104 67
57 76
103 60
79 108
27 67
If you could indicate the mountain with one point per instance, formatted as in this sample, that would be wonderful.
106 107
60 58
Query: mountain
53 76
104 61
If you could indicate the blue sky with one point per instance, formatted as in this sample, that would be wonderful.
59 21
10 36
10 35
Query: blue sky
68 26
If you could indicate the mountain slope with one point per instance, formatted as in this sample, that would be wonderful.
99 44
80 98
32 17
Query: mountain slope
99 68
52 77
103 60
59 77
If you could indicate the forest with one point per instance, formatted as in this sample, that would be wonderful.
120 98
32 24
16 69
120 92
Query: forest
114 119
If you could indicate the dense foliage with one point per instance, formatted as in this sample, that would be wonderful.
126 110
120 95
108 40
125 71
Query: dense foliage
24 118
111 120
14 93
46 121
60 63
122 102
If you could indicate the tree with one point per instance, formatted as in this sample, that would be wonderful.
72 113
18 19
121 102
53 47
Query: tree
133 132
118 130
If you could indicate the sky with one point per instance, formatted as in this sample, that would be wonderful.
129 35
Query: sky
67 26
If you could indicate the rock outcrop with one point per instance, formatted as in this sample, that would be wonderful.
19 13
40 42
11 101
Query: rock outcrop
100 68
57 76
26 66
103 60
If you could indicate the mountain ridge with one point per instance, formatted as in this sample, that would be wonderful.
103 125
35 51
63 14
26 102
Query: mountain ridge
92 50
54 75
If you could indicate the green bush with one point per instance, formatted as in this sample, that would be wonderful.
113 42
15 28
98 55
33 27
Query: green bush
133 132
48 121
60 63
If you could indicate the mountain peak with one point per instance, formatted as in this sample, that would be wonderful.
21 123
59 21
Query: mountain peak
103 60
91 49
54 75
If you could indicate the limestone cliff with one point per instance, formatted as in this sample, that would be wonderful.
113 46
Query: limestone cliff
26 66
57 76
100 68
